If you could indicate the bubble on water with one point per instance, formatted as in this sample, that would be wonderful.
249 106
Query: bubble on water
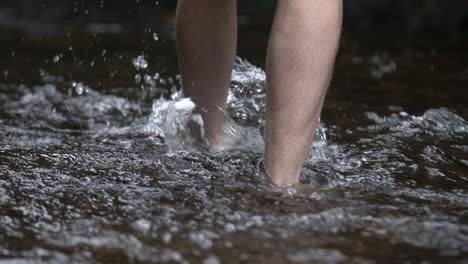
142 225
201 239
230 227
167 237
212 259
290 190
140 63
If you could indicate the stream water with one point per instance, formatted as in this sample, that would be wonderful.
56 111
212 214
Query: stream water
94 171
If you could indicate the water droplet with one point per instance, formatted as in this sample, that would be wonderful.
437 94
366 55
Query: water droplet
155 37
79 88
140 62
148 79
137 78
57 58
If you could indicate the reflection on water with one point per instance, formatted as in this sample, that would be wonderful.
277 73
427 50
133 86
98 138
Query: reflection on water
92 175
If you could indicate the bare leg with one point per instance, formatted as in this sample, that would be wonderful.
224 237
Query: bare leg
300 61
206 45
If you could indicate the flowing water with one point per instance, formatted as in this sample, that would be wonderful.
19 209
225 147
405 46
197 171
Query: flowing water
91 171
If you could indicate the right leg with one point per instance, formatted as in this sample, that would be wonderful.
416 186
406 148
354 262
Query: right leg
301 54
206 47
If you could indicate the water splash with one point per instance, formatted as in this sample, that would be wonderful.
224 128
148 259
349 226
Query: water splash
88 176
169 120
435 122
244 119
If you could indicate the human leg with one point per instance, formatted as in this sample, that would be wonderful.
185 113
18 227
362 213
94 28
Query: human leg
301 55
206 33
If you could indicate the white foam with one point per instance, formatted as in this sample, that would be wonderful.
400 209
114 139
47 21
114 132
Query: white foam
184 104
197 118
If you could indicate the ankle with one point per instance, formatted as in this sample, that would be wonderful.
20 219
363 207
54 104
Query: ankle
282 177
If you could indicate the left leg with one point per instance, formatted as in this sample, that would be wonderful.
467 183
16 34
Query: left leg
206 45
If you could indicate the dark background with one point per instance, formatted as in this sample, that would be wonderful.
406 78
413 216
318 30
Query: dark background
55 16
95 41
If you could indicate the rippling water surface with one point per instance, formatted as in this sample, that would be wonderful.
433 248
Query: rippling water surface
96 172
